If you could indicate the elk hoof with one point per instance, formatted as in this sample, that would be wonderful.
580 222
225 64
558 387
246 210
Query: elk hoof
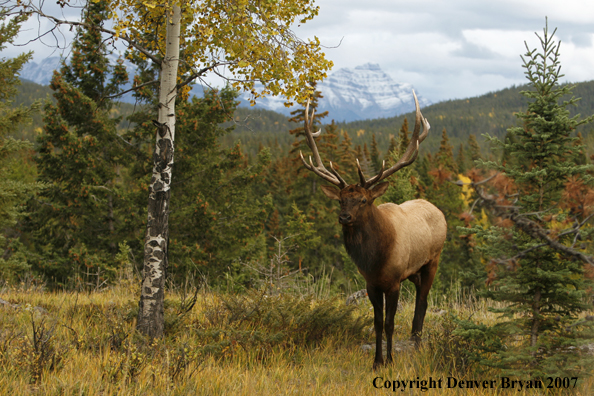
417 340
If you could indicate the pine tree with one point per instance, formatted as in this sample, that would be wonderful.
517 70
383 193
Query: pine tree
347 157
445 156
403 184
403 139
392 148
375 155
80 217
216 217
366 162
461 159
541 289
474 149
15 187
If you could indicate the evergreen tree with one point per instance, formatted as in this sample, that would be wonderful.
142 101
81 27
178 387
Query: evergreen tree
403 139
445 156
474 149
461 159
217 216
375 155
541 288
446 196
402 184
347 157
392 148
80 217
15 184
366 163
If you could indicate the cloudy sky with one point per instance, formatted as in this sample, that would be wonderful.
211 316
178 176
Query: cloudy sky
456 48
449 49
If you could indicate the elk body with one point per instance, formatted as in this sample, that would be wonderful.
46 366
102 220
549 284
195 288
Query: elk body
389 243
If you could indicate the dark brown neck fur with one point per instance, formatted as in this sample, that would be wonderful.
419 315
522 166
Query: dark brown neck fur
368 240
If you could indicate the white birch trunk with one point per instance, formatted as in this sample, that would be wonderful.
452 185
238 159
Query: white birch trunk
150 313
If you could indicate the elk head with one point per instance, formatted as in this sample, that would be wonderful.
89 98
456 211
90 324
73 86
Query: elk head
354 199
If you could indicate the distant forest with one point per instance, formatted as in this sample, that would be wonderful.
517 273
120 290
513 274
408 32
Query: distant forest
492 113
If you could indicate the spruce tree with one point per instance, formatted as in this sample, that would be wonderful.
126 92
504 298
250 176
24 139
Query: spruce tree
366 162
461 159
216 215
445 155
347 157
403 139
78 220
375 155
446 196
14 188
540 287
392 148
474 149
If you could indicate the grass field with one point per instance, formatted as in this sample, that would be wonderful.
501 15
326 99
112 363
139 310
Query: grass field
225 344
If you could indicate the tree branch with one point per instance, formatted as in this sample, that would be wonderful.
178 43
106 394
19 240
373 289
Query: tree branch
528 226
28 8
131 89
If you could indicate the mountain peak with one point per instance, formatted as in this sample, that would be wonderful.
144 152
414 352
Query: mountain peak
360 93
365 92
369 66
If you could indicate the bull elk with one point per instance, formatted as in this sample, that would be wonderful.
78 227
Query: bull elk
389 243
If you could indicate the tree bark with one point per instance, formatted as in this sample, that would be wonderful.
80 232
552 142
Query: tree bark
150 313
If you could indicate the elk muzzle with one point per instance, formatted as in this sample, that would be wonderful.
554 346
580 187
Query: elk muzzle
345 218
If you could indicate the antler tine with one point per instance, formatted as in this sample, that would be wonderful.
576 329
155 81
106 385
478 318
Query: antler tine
362 181
318 168
313 113
343 183
412 151
377 177
304 162
321 172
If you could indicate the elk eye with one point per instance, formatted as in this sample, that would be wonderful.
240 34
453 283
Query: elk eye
364 200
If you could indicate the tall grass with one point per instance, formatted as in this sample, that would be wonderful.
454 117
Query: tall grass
218 343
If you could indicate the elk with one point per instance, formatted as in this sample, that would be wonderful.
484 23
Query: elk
389 243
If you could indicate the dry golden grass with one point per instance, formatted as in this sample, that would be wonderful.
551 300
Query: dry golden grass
91 348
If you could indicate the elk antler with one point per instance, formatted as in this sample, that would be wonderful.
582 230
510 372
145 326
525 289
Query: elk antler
409 155
332 176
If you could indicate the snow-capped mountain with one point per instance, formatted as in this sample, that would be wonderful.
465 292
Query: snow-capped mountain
364 92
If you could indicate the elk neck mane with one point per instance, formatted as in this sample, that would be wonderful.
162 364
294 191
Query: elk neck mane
368 240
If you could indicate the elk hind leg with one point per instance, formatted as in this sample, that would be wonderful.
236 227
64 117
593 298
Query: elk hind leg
423 281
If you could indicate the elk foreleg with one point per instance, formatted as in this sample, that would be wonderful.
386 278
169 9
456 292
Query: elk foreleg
391 307
376 296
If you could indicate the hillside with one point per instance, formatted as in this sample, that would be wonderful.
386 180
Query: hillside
491 113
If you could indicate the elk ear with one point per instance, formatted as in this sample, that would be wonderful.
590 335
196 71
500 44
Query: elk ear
379 190
331 192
